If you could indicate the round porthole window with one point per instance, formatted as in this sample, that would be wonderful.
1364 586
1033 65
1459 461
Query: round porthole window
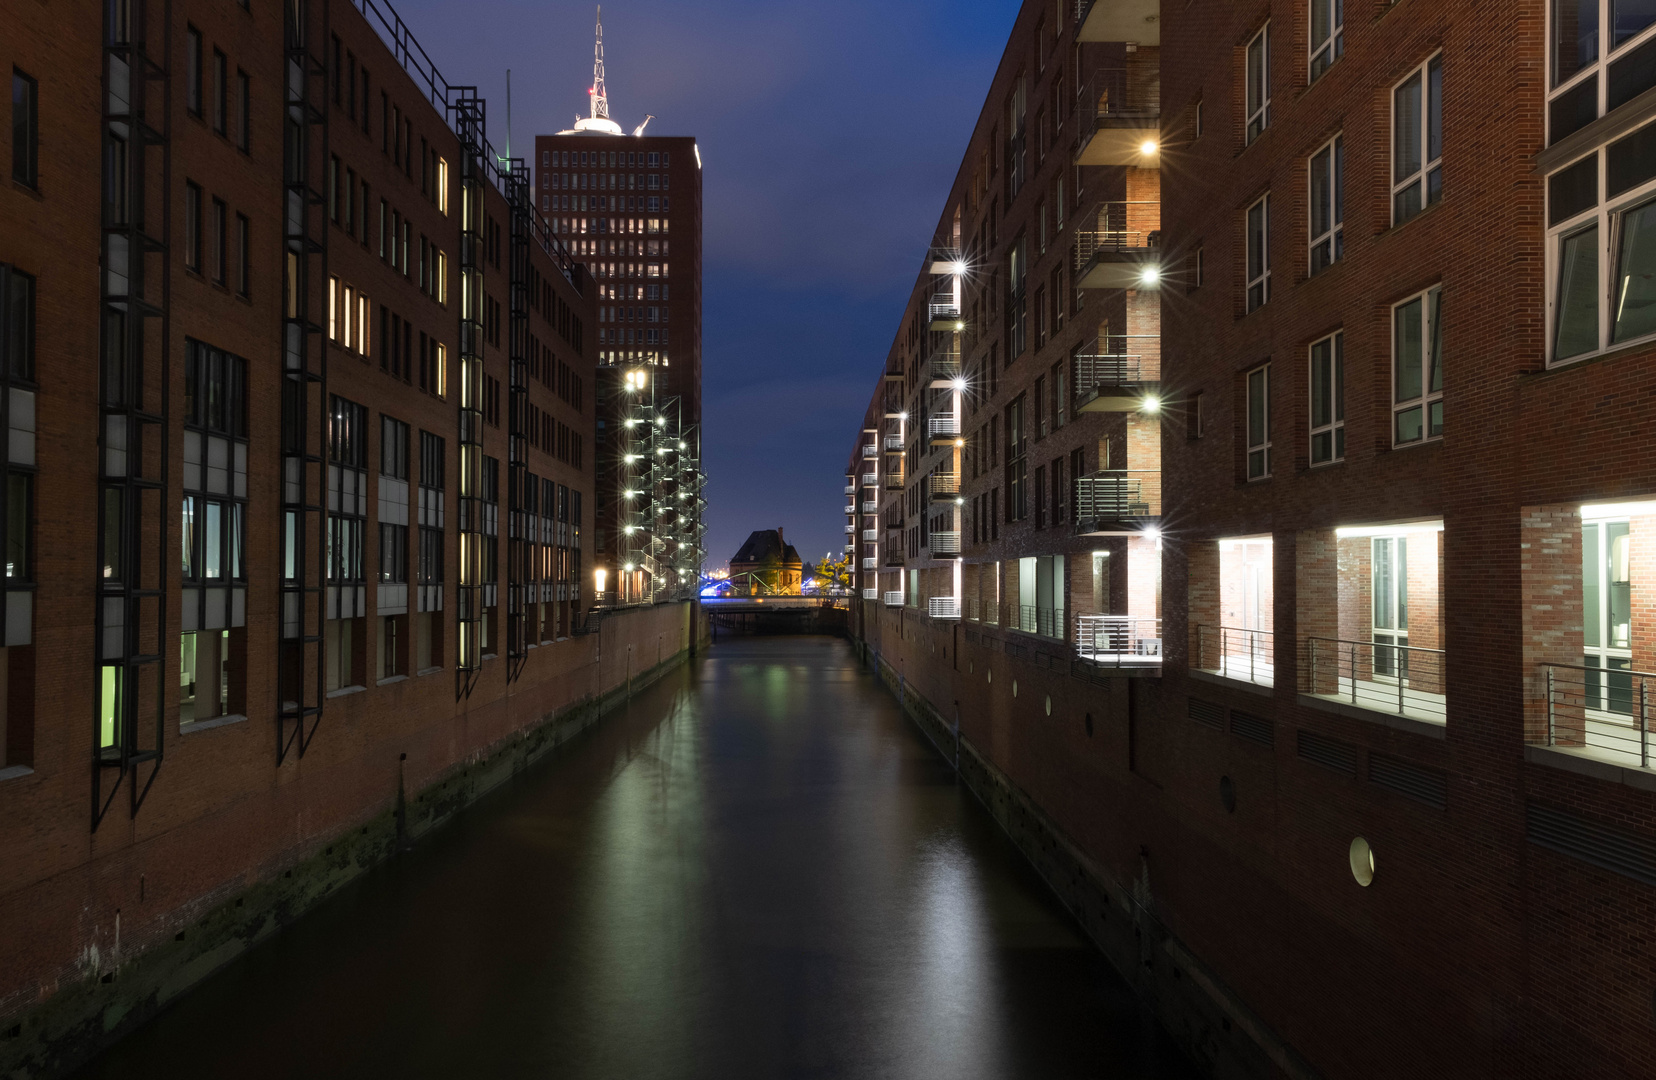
1014 687
1227 794
1049 704
1362 861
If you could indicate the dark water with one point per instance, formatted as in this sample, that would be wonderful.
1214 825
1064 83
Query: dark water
759 869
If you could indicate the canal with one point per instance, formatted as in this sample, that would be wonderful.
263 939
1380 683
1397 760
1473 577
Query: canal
758 868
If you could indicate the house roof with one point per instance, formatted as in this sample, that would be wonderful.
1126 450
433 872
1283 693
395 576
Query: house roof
763 545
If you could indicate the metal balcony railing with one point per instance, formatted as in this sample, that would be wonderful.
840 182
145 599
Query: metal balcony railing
870 450
1118 92
1034 619
870 507
871 594
945 484
894 599
1117 228
850 549
1385 676
871 536
1116 360
850 489
869 479
973 607
1237 653
894 481
1115 495
944 306
871 564
893 443
1603 710
943 368
850 508
850 529
944 424
943 607
945 543
1118 640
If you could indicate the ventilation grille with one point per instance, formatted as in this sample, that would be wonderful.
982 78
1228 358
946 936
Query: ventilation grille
1408 779
1206 712
1329 753
1253 728
1600 845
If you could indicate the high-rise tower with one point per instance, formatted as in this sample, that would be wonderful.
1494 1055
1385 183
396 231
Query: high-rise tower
629 207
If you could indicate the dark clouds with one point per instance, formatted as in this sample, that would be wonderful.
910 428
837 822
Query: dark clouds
830 134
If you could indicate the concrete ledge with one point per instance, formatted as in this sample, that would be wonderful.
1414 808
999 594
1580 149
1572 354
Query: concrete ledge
1372 716
208 725
1233 684
13 772
1584 763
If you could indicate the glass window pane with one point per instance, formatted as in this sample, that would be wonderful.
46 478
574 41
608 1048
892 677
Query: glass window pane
1434 351
1575 37
1321 195
1409 427
1321 362
1339 376
1628 18
1631 75
1578 307
1635 296
1574 110
17 527
190 543
212 541
1406 130
1573 190
1407 352
1256 408
1630 162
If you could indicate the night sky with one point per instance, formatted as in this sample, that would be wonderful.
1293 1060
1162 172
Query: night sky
830 134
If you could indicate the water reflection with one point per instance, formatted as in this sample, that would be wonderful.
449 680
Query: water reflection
757 870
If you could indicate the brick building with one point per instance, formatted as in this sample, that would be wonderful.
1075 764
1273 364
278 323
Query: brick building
1381 803
629 208
301 388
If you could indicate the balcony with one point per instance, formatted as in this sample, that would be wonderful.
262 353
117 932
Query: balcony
871 564
945 543
850 549
1403 680
946 260
1117 501
850 509
894 375
870 507
944 429
945 487
1109 377
871 594
1119 113
1119 641
943 607
894 555
944 311
1602 712
894 599
1236 653
869 479
870 450
894 480
943 371
894 444
850 530
850 489
871 536
1118 246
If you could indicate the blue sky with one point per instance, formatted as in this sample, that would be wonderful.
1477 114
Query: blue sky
830 134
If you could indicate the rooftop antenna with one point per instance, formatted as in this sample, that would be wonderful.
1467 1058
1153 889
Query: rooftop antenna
507 158
639 130
600 101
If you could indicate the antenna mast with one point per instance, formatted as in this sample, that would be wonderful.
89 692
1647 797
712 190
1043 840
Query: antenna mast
600 101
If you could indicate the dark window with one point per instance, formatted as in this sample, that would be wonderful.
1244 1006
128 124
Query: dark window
25 129
221 93
192 226
215 465
431 461
17 338
219 241
192 70
244 101
244 257
393 448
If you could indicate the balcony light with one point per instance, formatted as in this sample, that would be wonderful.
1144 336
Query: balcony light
960 502
960 442
1370 531
1151 275
632 423
629 530
959 384
1151 405
958 268
627 566
960 326
902 416
1148 147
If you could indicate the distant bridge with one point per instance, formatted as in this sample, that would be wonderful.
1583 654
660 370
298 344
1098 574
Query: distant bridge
777 614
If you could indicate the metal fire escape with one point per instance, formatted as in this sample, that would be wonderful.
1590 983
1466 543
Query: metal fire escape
520 551
466 114
133 437
301 670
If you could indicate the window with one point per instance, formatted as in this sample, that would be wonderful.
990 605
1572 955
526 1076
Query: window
1327 221
1259 423
1197 268
25 130
192 227
1583 86
1602 248
1389 565
1195 421
192 70
1417 368
1017 442
1258 96
1417 141
1259 253
1327 34
347 484
1328 400
244 101
393 448
221 93
1607 603
219 241
442 185
1016 315
244 257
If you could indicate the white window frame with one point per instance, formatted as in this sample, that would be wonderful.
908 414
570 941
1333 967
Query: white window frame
1327 164
1257 85
1258 441
1329 421
1607 217
1429 167
1262 238
1596 70
1431 311
1325 52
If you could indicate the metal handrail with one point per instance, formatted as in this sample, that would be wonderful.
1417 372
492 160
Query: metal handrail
944 424
869 479
1110 94
870 450
1118 639
944 366
1114 494
945 483
1598 708
1093 369
871 564
850 489
945 543
943 306
1115 228
1352 671
943 607
893 442
1258 646
1045 621
871 594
